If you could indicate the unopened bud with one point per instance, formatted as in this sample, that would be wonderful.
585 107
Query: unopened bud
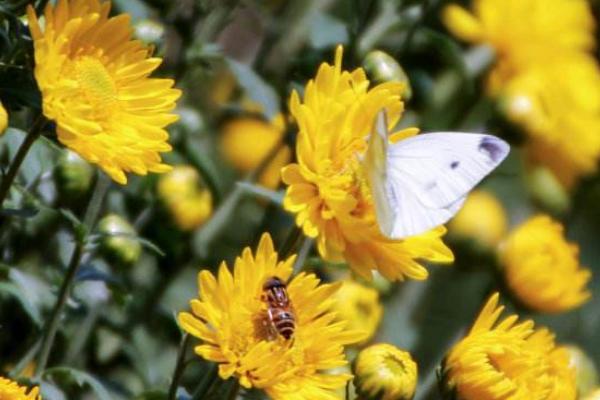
73 174
585 370
118 243
383 371
546 189
381 68
149 31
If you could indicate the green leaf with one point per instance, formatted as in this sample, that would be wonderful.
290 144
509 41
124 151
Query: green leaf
326 31
29 307
257 89
26 212
81 379
153 395
260 191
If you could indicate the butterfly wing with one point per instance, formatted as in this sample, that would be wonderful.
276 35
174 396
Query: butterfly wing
427 177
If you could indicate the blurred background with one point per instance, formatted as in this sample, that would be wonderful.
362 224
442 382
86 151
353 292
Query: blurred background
237 63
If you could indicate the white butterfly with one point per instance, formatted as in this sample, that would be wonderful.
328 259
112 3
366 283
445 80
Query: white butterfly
421 182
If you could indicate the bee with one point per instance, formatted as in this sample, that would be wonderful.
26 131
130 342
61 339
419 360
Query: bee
280 313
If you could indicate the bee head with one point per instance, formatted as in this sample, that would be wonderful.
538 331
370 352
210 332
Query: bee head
273 282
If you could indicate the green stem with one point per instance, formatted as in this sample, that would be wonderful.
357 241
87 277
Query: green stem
91 215
10 176
206 383
180 366
233 391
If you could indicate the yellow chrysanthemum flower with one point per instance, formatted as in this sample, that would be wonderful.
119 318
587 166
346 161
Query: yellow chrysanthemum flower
95 85
507 360
231 319
3 119
328 190
360 306
542 269
566 142
519 31
247 141
185 197
538 83
384 372
10 390
482 218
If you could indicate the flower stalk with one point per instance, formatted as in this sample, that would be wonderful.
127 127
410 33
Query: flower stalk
91 215
32 135
179 366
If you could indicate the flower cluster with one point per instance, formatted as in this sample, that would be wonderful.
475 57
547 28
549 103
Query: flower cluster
327 188
95 85
230 317
508 360
551 91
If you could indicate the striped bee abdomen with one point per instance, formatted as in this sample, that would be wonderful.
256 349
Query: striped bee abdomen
279 308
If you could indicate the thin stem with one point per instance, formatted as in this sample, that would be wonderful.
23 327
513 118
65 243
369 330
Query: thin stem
179 367
10 176
233 391
206 383
83 334
91 215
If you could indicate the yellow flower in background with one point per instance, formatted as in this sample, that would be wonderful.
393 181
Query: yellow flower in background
482 218
185 196
95 85
360 306
507 359
559 107
520 30
384 372
542 269
553 92
3 119
10 390
327 188
230 317
247 141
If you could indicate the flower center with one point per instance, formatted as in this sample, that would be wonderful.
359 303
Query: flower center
95 82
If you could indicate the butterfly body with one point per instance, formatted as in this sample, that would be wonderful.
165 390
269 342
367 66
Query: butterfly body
422 181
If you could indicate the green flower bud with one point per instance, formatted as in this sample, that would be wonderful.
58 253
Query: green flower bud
547 190
381 68
149 31
117 243
585 370
73 174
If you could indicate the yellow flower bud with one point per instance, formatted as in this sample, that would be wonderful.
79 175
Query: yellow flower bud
118 244
360 306
3 119
585 370
247 141
73 174
384 372
381 68
542 269
482 219
186 198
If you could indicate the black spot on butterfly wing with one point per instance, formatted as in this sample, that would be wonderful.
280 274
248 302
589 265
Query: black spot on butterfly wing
454 164
492 147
